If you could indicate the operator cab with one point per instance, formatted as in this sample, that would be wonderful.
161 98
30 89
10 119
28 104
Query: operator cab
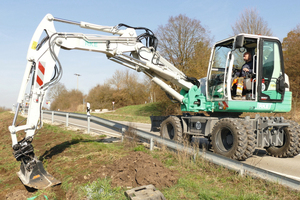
263 83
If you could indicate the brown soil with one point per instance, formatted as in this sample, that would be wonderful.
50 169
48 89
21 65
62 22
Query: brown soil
127 169
138 169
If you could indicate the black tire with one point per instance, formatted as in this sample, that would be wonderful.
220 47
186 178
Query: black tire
296 128
251 142
229 138
290 143
171 128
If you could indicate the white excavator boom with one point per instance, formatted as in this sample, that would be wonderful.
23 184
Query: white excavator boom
124 46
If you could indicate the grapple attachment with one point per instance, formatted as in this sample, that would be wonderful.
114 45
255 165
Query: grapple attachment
35 176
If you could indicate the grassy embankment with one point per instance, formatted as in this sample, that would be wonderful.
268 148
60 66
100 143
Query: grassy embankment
142 113
75 159
137 113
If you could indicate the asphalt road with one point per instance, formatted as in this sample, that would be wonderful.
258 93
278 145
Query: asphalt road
96 127
284 166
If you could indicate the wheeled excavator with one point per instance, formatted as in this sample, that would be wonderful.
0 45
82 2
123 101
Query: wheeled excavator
265 90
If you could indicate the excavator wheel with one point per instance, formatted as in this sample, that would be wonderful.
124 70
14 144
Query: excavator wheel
296 127
229 138
171 128
290 143
298 134
251 141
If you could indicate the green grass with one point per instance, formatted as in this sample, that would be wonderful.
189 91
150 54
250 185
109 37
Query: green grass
69 156
202 180
137 113
144 110
101 189
140 148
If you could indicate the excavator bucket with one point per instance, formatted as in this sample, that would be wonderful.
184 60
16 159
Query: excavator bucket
37 177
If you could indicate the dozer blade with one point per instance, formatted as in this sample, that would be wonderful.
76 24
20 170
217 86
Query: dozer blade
37 177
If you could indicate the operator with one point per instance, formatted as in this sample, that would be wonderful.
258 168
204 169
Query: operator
247 67
238 83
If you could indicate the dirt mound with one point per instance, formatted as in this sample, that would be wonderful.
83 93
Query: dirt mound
18 194
138 169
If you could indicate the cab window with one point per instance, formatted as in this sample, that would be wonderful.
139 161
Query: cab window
217 72
271 70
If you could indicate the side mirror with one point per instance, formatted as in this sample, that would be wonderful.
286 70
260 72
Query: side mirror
280 86
239 41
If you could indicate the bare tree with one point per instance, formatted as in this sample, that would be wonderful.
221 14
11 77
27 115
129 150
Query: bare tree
117 80
250 22
101 96
200 59
291 52
123 88
68 101
178 40
56 90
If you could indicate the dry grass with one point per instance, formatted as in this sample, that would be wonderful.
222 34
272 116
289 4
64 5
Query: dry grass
129 136
3 109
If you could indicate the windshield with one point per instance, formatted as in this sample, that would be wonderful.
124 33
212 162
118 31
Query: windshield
271 68
223 55
217 73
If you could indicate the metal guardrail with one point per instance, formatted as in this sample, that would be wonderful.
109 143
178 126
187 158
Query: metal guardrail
242 168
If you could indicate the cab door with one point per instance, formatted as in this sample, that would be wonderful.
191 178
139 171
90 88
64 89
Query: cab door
220 68
271 71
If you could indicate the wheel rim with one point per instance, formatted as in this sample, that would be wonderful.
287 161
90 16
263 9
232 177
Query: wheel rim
170 130
224 139
284 140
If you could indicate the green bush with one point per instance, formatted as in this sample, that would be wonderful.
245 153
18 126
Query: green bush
101 189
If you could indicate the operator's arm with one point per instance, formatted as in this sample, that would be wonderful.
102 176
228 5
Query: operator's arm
248 67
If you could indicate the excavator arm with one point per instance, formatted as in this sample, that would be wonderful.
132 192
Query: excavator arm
127 49
43 67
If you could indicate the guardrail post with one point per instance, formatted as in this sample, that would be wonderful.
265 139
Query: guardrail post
52 117
67 119
151 144
241 172
88 120
123 134
195 156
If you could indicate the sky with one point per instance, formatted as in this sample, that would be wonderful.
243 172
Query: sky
19 19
